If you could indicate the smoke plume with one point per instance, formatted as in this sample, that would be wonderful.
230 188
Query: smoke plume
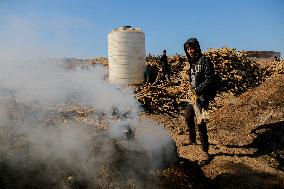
44 144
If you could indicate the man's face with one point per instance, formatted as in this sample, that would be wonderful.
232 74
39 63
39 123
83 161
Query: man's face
191 50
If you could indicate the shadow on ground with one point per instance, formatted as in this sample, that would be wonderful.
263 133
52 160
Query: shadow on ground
243 177
269 140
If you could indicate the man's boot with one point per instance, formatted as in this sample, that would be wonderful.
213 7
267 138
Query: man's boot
204 140
190 122
191 131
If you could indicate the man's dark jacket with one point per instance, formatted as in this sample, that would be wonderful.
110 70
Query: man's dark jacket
202 74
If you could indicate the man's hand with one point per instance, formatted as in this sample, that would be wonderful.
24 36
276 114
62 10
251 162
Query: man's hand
194 96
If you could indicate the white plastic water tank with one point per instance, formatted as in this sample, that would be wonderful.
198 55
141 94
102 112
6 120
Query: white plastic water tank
126 55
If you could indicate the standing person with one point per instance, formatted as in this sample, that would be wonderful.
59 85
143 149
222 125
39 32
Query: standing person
165 65
202 80
276 59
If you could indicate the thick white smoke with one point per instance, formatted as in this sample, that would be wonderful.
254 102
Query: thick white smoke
39 147
33 135
47 82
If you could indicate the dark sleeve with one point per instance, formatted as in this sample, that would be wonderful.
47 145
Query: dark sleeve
209 74
164 59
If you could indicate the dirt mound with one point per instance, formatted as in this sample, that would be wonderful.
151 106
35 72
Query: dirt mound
259 106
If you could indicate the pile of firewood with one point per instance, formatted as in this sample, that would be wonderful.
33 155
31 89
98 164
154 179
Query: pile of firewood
275 67
99 60
158 99
162 93
235 72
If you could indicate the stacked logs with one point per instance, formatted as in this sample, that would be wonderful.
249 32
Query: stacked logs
162 94
275 67
156 99
99 60
235 72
